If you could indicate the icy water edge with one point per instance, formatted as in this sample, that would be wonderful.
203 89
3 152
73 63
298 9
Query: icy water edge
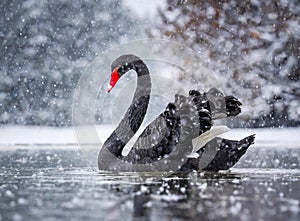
41 184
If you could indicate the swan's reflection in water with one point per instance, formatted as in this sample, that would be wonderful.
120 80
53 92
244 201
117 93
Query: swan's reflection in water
52 185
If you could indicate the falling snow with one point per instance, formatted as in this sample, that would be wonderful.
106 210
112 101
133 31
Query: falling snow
45 47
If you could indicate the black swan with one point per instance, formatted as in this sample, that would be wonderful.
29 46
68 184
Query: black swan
185 119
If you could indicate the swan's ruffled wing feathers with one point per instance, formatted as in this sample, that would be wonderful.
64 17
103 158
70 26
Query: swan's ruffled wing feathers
185 119
222 106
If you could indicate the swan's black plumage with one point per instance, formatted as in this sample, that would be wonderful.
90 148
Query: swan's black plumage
184 119
228 154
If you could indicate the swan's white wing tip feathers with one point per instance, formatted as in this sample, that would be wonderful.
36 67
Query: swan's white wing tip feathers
215 131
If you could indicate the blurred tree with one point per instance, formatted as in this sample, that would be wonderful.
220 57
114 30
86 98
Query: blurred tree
254 46
44 47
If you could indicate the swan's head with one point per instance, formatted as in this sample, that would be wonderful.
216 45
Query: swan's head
119 67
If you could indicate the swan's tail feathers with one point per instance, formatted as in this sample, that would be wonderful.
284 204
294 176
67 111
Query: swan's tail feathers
229 153
218 154
201 140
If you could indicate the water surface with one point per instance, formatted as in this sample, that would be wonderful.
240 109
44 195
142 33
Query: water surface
41 184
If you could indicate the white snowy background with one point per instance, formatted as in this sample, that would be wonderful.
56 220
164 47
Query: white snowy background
45 46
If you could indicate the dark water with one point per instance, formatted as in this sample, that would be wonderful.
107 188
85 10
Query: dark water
59 185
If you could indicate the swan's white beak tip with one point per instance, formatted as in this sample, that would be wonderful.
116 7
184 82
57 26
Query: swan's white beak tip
109 87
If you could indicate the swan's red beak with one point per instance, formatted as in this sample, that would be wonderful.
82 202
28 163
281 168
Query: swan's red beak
113 79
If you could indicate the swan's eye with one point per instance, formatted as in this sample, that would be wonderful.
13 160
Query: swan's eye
113 79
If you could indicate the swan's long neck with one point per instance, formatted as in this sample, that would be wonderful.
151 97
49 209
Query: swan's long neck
135 114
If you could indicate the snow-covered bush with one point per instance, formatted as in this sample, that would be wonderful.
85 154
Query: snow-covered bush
253 46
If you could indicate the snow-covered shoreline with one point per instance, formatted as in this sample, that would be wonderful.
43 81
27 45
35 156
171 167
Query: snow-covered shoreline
62 138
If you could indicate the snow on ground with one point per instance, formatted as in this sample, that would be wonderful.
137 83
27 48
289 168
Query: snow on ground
64 137
35 135
39 137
